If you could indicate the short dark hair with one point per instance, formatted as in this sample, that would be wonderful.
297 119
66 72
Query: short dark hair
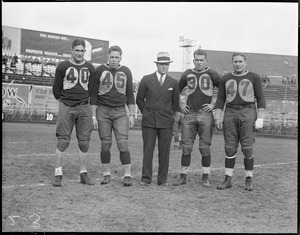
78 42
200 52
115 48
238 54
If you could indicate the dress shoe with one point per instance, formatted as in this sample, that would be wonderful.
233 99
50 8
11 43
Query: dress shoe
144 183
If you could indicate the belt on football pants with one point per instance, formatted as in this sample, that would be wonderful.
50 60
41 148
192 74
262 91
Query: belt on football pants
82 103
239 107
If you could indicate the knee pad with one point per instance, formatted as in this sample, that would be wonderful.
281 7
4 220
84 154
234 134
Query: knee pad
205 152
122 146
83 146
248 152
187 150
125 158
62 145
105 146
230 152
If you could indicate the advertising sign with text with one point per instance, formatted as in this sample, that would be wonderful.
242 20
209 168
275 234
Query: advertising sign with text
15 95
51 45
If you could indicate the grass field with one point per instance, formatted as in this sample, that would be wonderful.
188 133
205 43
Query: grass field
31 203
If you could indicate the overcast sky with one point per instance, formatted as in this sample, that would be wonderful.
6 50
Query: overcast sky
142 29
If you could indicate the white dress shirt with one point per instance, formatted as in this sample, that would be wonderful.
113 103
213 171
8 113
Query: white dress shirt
159 75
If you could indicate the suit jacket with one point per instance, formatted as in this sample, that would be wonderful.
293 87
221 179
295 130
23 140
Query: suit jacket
158 103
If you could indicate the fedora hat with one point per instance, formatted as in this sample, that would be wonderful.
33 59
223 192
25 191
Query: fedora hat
163 57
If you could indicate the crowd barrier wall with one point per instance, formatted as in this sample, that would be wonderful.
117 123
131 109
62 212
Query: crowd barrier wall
34 103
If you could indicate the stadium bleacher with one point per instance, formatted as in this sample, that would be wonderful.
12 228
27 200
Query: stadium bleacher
288 92
21 64
27 79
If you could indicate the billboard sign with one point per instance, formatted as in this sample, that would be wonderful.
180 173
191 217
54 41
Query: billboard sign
42 98
15 95
28 96
50 45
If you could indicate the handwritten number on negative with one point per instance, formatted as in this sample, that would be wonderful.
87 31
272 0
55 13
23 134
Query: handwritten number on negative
33 219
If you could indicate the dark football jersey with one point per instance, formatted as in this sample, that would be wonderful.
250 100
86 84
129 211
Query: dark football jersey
201 85
73 82
240 90
113 87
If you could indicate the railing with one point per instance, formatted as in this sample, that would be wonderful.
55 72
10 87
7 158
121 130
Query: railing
275 125
29 115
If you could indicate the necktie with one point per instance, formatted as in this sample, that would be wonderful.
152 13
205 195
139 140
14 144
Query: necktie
161 80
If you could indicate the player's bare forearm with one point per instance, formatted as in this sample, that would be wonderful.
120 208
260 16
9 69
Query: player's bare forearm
219 119
131 108
93 107
94 118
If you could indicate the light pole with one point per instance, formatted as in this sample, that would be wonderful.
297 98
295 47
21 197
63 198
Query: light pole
284 102
186 44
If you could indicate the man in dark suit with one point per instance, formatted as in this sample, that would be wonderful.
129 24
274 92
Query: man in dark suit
158 100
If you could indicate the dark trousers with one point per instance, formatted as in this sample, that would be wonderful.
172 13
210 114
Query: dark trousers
164 136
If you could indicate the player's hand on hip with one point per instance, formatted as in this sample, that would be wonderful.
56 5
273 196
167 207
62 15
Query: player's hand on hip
219 124
259 123
131 121
184 108
208 107
95 123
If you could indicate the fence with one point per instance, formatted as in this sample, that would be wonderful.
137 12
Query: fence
275 123
29 115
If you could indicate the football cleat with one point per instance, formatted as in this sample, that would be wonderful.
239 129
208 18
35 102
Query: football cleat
106 179
226 183
205 180
181 180
127 181
57 181
248 184
84 179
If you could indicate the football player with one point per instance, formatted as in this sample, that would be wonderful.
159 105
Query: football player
72 88
241 91
196 86
112 94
